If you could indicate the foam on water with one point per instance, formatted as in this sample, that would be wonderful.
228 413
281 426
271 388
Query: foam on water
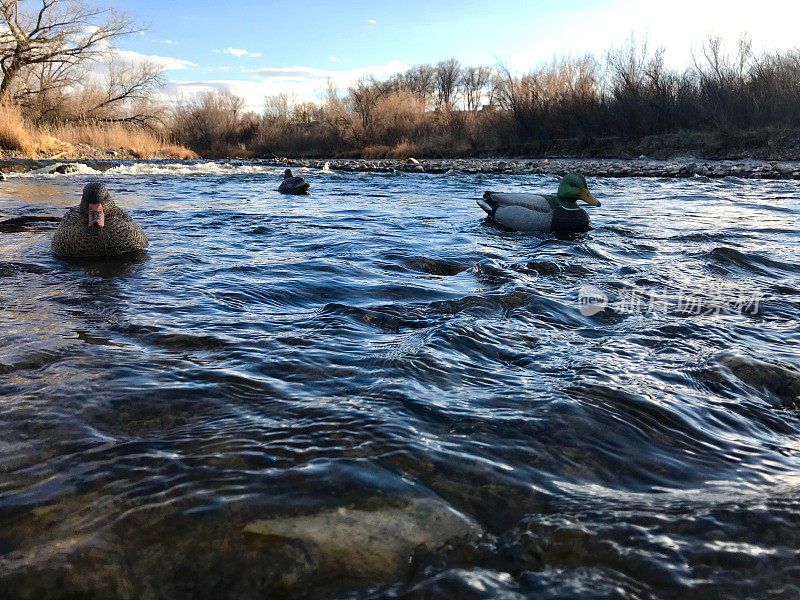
195 168
75 170
178 169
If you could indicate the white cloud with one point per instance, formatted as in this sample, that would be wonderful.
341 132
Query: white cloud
224 68
333 59
168 42
238 52
168 62
304 83
99 71
372 21
302 75
235 51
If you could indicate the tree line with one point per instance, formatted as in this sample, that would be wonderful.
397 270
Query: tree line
444 109
449 109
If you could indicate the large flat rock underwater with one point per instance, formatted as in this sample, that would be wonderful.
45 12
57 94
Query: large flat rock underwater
229 553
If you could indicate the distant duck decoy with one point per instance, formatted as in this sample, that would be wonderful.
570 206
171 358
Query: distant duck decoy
293 185
557 213
97 227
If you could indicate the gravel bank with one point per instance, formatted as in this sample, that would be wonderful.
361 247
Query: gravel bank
642 167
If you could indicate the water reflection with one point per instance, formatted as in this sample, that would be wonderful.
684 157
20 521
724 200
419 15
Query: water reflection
127 265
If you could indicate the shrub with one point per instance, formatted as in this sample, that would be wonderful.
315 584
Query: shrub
404 149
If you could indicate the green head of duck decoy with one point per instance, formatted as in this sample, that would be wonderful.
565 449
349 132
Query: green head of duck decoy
573 188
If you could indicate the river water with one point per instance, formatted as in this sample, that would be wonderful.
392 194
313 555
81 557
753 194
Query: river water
369 392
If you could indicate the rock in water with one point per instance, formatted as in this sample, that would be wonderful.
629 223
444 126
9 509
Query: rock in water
371 545
781 381
158 554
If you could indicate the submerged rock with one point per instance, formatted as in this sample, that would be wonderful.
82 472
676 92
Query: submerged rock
158 553
373 545
435 266
781 381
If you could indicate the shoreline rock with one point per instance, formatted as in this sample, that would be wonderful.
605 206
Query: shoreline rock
595 167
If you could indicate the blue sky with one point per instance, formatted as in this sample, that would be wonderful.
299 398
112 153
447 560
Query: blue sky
259 48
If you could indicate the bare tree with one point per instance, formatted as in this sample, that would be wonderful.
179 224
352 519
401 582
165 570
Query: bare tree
724 81
279 107
63 33
447 78
626 68
521 97
127 94
475 81
305 112
44 89
362 98
335 115
211 122
627 84
420 81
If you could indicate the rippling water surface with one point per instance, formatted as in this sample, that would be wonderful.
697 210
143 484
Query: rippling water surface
323 383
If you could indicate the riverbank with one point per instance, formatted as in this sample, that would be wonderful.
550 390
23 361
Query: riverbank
768 144
594 167
81 141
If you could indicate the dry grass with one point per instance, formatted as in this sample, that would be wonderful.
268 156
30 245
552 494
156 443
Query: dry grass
49 146
60 140
138 142
404 149
372 152
13 133
178 152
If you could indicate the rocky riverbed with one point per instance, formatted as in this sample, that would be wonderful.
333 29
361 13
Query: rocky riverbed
641 167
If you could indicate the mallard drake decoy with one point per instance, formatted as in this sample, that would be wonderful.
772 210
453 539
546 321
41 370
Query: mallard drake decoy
97 227
557 213
293 185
